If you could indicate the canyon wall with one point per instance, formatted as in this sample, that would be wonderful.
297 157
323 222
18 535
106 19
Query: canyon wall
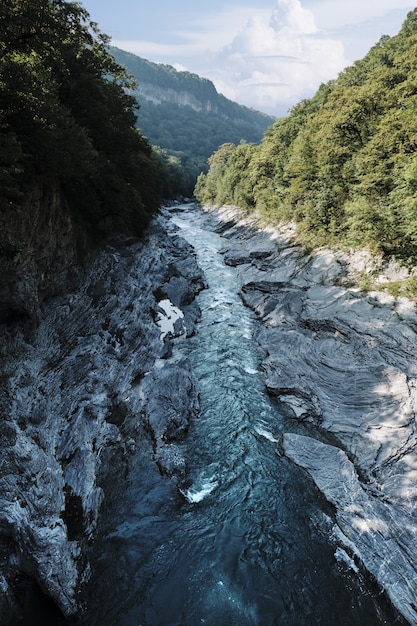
77 345
343 364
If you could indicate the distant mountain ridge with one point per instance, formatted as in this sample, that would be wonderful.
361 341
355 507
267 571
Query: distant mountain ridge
184 114
160 83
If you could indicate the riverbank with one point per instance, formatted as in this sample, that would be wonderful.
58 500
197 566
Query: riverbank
345 362
74 410
98 399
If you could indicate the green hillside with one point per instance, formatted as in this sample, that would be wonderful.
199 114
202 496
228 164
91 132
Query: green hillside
343 164
67 121
185 116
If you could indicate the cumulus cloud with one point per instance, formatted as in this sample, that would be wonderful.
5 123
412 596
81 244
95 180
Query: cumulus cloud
271 58
199 38
272 64
358 24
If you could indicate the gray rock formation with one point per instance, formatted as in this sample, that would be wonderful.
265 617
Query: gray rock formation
74 389
373 534
170 402
344 364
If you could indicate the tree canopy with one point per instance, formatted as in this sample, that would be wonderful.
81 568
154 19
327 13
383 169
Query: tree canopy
65 116
185 116
343 164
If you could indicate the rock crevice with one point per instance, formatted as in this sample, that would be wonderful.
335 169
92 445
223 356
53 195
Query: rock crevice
344 363
74 389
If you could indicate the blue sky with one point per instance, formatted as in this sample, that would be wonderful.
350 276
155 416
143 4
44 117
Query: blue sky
265 54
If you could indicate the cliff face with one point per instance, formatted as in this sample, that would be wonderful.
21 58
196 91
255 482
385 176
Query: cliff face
341 363
71 396
162 84
157 95
38 252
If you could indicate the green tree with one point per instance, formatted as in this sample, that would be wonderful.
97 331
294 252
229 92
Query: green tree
66 116
343 163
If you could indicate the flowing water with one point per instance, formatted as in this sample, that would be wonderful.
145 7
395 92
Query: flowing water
245 542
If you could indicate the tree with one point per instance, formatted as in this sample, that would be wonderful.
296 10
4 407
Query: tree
343 163
66 115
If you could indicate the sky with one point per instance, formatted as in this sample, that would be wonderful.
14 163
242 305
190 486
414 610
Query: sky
264 54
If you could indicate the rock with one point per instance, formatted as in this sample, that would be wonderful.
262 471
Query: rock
342 358
171 401
239 257
374 535
71 396
170 460
344 361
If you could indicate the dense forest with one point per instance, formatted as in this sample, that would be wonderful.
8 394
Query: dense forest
66 118
186 118
343 164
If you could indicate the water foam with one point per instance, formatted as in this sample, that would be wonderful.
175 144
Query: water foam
193 495
167 316
266 434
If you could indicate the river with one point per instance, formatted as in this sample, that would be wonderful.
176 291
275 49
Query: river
246 540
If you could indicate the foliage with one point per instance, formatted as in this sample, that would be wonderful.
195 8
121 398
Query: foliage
66 116
343 164
185 116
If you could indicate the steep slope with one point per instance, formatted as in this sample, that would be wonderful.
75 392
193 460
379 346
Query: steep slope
184 114
74 169
343 164
75 173
73 409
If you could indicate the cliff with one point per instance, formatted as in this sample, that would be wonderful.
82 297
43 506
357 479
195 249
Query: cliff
159 83
72 404
180 97
184 115
38 252
342 364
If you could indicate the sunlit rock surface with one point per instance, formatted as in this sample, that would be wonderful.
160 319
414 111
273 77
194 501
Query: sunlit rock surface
374 534
343 362
71 396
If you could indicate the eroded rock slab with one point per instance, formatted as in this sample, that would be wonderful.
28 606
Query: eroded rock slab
343 362
170 402
374 534
71 395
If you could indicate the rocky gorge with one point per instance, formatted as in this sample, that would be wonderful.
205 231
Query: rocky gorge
344 363
93 384
73 404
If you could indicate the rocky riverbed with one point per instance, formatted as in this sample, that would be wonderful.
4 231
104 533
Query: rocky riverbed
84 386
345 363
78 389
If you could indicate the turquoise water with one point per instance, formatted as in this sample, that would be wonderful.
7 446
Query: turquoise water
246 540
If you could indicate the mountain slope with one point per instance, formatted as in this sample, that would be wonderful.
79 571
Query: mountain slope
73 167
184 115
343 164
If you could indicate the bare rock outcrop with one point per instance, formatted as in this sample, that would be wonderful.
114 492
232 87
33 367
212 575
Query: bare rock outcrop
344 363
71 397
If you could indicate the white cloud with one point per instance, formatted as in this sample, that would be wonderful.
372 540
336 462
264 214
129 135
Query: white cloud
157 52
270 59
214 30
291 17
272 64
201 37
360 24
356 11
